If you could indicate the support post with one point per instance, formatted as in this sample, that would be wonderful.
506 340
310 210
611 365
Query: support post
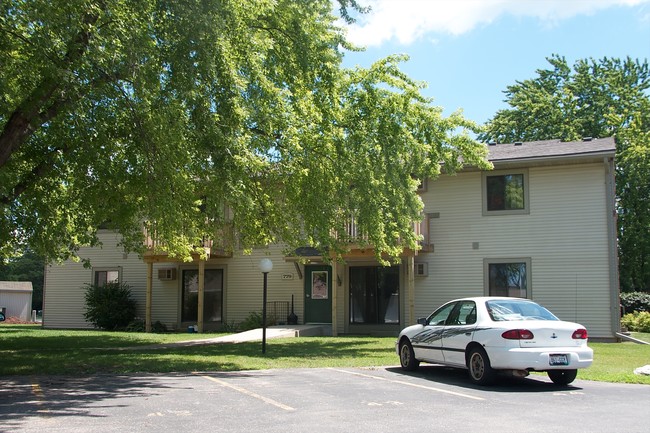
201 295
410 288
335 289
147 315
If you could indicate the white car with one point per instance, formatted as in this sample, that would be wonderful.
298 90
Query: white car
487 335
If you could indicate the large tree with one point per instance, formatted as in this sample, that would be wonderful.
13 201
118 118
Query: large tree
594 98
118 113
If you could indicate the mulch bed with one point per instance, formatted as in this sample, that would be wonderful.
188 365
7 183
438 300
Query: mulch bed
15 321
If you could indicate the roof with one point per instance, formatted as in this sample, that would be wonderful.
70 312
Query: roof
15 286
551 149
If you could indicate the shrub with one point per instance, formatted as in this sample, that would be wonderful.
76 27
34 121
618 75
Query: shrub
109 306
635 301
639 321
254 321
138 325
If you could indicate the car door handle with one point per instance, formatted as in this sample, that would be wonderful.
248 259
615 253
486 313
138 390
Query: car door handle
468 333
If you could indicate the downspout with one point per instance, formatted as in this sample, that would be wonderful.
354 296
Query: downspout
612 232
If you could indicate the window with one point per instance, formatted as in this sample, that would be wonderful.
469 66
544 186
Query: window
374 295
505 192
508 277
212 295
105 276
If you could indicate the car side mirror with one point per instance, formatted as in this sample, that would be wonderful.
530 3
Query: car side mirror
422 320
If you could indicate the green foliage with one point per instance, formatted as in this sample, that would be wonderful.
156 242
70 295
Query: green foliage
639 321
109 306
635 301
113 113
138 325
254 321
594 98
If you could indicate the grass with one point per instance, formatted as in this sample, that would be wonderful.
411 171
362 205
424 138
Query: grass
30 350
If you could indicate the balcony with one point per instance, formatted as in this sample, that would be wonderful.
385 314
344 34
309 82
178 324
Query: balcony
221 245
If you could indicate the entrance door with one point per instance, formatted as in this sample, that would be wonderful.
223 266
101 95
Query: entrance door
212 295
318 294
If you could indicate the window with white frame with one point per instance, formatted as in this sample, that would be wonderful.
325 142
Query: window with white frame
505 192
507 277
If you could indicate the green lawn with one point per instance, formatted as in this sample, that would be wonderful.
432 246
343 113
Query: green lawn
28 350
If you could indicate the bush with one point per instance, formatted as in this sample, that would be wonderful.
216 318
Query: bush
138 325
109 306
638 321
635 301
254 321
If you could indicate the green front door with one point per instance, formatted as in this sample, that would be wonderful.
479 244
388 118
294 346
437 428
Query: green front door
318 294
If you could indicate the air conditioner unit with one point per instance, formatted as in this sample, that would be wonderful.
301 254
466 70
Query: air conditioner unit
421 269
167 274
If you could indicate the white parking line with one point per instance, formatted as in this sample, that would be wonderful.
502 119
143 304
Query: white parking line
250 393
415 385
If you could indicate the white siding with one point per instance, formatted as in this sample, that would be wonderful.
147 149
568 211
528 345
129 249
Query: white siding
565 236
16 298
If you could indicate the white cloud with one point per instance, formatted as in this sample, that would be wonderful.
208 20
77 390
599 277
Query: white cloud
409 20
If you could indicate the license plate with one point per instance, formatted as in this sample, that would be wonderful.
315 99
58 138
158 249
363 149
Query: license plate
558 360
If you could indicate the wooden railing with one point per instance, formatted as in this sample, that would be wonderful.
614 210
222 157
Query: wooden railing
220 245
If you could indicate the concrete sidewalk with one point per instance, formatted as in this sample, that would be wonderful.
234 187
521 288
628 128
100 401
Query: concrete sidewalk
278 331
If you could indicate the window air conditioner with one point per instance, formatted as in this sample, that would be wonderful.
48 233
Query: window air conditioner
421 269
167 274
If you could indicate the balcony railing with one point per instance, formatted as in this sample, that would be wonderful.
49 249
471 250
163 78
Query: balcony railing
220 245
354 235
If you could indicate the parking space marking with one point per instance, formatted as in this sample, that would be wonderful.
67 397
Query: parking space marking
415 385
37 391
250 393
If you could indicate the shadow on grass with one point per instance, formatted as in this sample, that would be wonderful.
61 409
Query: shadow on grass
92 354
34 337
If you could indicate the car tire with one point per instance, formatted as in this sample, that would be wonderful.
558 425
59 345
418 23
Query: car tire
407 356
478 365
562 377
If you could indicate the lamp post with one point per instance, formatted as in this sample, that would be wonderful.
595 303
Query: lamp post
266 265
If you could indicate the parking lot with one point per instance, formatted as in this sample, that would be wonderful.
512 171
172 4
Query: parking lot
434 399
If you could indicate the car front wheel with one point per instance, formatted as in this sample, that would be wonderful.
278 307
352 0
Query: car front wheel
562 377
407 356
480 370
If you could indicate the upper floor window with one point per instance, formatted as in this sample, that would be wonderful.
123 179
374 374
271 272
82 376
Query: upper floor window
505 192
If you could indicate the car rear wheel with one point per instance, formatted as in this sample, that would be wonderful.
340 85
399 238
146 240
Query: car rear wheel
407 356
562 377
480 370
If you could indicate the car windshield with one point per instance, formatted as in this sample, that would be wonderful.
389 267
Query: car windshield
504 310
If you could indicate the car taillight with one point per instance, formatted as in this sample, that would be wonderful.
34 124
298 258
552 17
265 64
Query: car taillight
518 334
579 334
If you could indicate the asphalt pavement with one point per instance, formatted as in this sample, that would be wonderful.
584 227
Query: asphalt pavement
373 400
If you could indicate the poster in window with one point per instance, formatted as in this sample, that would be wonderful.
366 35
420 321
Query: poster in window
319 285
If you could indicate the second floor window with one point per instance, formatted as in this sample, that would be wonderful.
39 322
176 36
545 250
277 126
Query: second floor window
505 193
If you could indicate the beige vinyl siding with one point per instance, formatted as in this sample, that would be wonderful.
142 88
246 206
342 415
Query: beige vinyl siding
244 288
565 237
65 285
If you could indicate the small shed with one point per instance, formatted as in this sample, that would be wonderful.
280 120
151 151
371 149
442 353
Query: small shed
16 299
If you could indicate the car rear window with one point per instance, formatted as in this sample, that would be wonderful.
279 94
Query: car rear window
513 310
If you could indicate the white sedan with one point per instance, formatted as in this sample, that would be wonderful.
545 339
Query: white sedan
487 335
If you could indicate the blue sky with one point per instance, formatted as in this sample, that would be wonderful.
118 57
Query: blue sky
469 51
